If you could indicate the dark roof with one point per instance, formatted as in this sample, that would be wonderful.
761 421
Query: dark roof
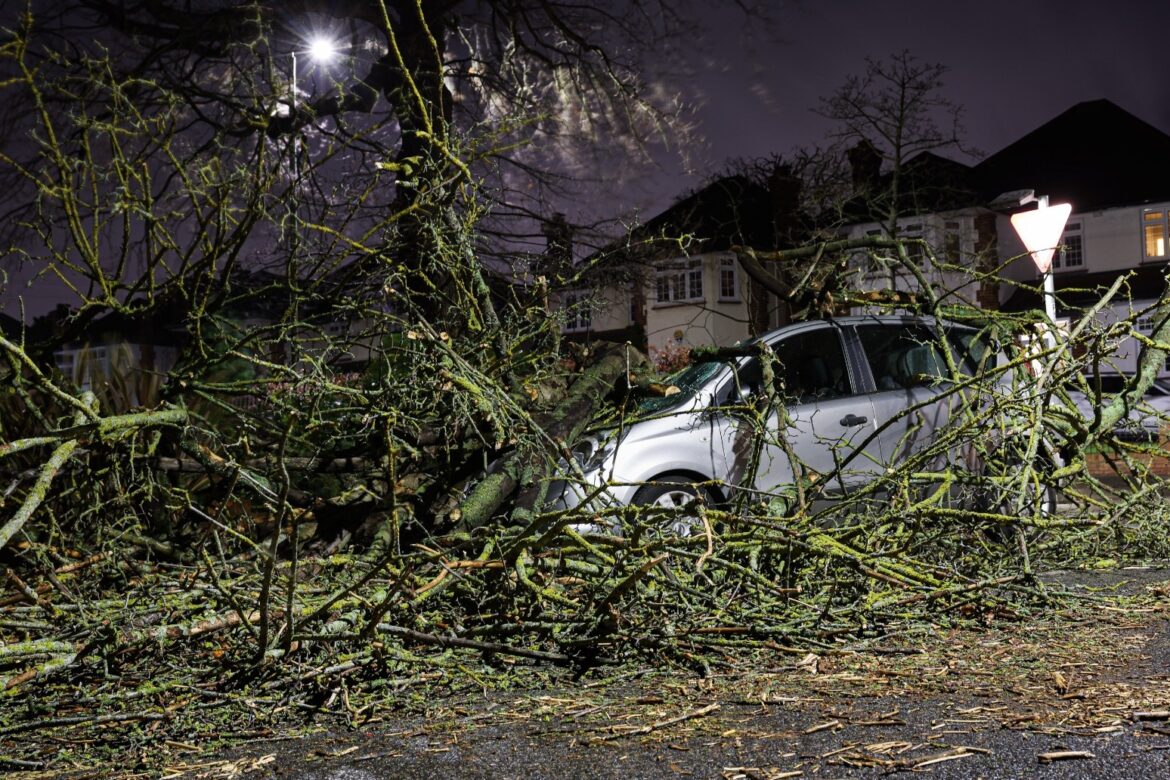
727 211
928 183
1094 155
1081 290
10 326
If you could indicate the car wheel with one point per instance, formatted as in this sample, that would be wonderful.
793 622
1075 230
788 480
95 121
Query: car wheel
678 496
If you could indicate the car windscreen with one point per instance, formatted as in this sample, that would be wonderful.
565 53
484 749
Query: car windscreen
688 381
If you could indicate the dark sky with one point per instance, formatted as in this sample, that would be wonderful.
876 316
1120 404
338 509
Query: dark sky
1014 64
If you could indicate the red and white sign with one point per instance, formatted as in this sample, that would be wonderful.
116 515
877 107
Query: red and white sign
1040 230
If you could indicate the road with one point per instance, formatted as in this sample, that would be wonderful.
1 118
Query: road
1084 695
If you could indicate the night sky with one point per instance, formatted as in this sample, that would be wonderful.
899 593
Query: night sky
1014 64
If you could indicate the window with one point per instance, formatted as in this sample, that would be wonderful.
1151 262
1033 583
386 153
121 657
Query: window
728 280
1145 323
65 362
1154 234
1071 254
810 367
577 314
901 357
876 263
952 240
679 283
915 251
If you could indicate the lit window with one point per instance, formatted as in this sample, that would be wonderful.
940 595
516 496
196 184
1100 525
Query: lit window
1072 249
728 280
1154 233
680 283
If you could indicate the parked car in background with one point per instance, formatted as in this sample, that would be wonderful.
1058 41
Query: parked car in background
1143 422
860 394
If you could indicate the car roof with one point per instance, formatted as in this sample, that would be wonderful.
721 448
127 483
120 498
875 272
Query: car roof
859 319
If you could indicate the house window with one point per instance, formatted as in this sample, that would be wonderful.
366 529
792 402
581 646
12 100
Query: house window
65 362
952 240
680 283
1154 233
577 314
915 251
728 280
1145 323
1072 249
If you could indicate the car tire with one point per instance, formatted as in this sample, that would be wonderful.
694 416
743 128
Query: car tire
675 494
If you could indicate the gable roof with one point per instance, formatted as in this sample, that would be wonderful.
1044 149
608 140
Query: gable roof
725 212
1094 155
928 183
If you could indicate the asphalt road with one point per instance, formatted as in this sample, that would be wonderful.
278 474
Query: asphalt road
1083 697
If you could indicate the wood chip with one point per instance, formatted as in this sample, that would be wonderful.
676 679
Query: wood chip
822 726
950 755
1063 755
1152 715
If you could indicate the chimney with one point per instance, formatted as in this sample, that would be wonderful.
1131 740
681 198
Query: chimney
865 161
784 195
557 261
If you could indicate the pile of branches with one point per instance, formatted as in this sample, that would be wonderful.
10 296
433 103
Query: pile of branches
345 483
149 567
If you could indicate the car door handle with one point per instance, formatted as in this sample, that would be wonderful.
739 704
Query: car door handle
850 420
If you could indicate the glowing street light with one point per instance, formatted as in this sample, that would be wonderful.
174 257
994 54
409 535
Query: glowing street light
322 50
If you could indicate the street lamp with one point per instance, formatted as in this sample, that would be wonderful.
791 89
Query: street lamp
321 50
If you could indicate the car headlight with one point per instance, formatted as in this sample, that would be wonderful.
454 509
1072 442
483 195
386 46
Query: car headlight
591 454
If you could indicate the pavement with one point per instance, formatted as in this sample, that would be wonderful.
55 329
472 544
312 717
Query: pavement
1077 695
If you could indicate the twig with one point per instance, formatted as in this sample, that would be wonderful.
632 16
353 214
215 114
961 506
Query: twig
664 723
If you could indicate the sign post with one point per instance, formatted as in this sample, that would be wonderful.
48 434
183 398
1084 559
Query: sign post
1040 230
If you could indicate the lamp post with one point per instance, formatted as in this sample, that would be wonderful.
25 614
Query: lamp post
321 50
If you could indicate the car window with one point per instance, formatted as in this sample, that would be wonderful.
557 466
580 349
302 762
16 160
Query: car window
688 381
902 356
810 366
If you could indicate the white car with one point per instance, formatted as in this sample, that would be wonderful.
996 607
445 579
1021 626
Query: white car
860 393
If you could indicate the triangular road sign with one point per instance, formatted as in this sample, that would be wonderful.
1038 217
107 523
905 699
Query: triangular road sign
1040 231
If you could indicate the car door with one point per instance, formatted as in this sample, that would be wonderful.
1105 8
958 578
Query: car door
912 401
821 429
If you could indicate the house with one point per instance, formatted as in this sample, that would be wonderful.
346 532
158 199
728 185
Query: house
1114 169
1111 166
674 283
937 201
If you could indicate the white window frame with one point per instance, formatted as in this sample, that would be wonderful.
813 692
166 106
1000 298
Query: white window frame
1155 218
578 315
1073 236
728 280
679 282
953 241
